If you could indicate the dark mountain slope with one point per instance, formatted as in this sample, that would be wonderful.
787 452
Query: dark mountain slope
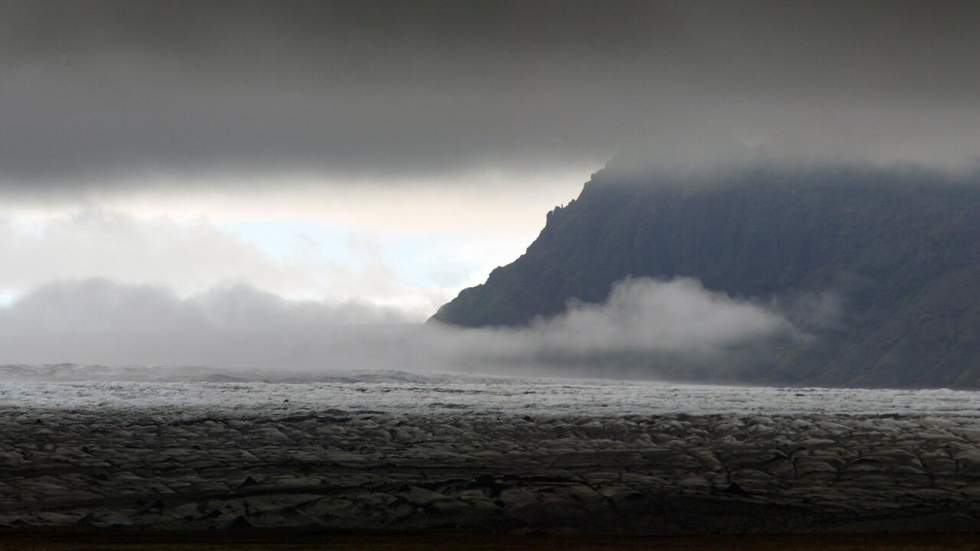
899 248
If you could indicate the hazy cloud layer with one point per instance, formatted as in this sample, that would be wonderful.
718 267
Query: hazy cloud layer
192 255
242 330
94 92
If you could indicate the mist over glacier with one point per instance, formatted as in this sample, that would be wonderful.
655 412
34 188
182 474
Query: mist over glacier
241 331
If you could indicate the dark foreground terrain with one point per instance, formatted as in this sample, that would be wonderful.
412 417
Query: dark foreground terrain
350 471
256 541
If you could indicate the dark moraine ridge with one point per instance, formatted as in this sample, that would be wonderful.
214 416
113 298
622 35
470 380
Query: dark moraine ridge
899 248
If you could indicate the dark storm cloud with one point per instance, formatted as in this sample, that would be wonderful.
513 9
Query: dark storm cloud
98 90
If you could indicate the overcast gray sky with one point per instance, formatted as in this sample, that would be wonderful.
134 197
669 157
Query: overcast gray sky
96 91
389 153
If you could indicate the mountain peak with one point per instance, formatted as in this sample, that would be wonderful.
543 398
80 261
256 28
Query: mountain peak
900 247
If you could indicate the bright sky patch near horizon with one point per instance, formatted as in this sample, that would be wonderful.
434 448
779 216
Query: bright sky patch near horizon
411 246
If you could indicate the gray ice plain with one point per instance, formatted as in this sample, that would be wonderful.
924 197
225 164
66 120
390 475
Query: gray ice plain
171 449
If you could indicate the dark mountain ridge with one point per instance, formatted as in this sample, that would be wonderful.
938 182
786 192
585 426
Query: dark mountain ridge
899 249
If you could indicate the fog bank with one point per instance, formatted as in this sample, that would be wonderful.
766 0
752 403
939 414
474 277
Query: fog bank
240 331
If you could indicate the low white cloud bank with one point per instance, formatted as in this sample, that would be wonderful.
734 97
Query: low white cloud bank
242 331
650 315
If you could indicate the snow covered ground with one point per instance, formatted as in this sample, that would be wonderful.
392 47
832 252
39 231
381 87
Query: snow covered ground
399 392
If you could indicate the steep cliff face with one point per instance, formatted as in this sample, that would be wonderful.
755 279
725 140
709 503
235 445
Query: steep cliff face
899 250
